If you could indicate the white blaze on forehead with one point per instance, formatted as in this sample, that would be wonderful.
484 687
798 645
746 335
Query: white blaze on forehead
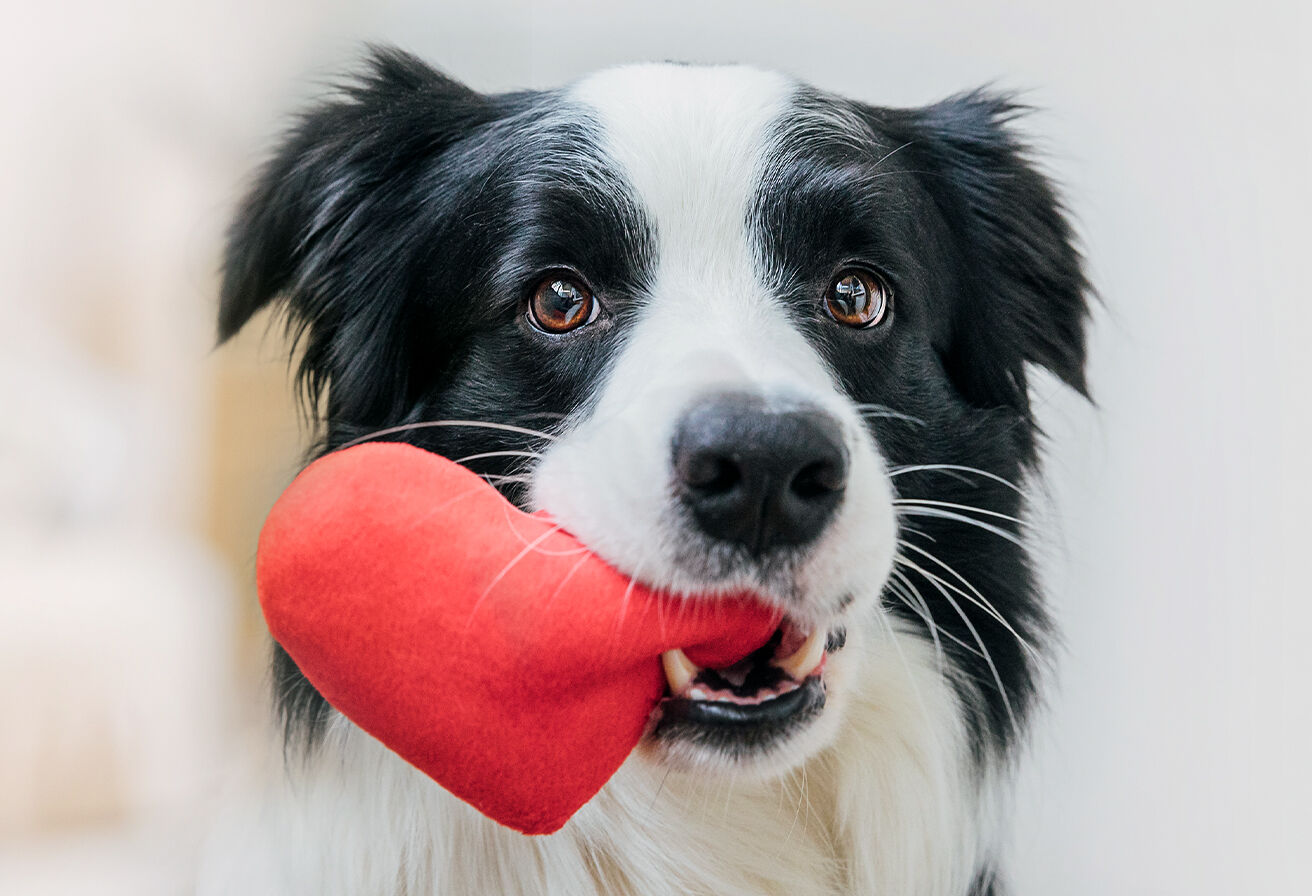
689 140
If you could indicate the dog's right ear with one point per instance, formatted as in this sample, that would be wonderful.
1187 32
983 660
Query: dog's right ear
310 204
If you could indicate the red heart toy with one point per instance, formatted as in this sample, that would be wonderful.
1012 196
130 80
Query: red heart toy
484 645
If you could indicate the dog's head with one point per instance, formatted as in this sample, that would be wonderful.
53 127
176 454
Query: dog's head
733 332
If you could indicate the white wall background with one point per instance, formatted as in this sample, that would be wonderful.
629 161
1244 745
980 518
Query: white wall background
1174 758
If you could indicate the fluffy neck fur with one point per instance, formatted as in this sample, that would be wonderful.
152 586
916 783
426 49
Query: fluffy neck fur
888 808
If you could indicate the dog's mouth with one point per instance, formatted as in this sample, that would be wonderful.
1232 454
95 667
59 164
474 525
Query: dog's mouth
754 702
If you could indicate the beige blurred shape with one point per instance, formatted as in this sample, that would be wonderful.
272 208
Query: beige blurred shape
136 461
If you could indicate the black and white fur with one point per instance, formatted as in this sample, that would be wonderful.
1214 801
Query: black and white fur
405 222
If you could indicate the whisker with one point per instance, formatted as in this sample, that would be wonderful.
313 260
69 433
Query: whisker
906 666
888 155
972 649
958 468
916 530
925 502
561 586
932 577
988 657
527 549
499 478
803 802
905 510
507 510
660 788
978 599
428 424
545 415
661 619
797 781
904 590
507 453
879 410
969 648
628 593
728 793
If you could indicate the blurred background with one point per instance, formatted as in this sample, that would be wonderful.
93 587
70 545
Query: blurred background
137 461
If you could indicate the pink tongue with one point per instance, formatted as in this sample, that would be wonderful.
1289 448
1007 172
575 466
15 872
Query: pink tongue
486 648
792 640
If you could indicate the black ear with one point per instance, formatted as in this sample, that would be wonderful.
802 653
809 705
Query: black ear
316 227
1022 295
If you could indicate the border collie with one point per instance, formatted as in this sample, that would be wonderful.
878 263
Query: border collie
733 332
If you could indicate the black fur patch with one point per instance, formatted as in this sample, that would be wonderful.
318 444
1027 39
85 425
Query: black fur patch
404 224
943 203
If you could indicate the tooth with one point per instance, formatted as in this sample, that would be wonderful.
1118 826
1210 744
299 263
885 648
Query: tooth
679 670
803 662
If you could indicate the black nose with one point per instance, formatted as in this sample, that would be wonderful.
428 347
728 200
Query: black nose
758 477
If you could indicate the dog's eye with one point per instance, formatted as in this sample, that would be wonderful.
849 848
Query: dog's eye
560 304
858 298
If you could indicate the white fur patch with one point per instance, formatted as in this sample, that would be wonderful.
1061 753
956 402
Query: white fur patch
888 808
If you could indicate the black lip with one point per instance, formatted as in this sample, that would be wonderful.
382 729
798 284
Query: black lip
732 727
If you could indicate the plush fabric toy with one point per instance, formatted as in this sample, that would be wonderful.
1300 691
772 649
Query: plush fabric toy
485 646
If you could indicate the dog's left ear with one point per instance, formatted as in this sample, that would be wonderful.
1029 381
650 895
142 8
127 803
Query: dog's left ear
1023 296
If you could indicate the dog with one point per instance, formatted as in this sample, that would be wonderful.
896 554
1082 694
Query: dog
733 332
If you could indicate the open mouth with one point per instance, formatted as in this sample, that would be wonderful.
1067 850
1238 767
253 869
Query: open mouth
770 692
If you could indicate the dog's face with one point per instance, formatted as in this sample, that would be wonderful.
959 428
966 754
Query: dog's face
735 334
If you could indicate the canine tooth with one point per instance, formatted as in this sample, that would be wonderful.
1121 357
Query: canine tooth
679 670
803 662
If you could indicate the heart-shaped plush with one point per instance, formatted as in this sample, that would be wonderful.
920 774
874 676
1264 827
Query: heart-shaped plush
486 646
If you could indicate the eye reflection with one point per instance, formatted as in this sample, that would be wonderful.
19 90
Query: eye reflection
561 304
858 298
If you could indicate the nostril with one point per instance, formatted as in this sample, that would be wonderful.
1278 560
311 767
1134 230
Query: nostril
818 480
709 473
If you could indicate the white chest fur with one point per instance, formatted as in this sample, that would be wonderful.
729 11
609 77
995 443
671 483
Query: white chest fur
891 808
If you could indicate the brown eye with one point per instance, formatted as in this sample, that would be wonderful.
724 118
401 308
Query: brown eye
858 298
560 304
